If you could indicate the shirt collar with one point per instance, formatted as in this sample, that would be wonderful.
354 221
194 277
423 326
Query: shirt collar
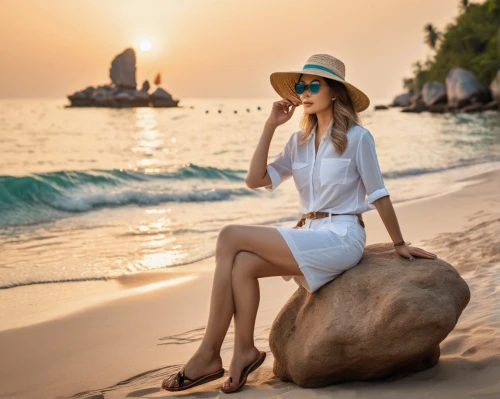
313 131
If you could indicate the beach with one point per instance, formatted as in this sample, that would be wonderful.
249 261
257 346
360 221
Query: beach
125 345
131 135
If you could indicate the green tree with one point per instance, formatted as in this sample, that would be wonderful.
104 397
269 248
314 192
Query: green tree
432 36
470 42
408 84
463 5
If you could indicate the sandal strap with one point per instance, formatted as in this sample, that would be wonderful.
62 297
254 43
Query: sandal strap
181 376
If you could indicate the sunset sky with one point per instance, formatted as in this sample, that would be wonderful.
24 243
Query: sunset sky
211 48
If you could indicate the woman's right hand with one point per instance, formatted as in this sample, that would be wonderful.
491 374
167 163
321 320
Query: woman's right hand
281 112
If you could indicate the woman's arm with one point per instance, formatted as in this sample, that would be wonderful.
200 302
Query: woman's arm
388 216
257 173
378 195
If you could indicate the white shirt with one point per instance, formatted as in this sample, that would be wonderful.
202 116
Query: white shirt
331 182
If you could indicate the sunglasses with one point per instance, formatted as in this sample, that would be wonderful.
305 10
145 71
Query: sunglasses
313 87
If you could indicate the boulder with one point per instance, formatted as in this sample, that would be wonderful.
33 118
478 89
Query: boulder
381 107
145 86
463 87
161 98
433 93
82 98
78 99
383 318
403 100
122 71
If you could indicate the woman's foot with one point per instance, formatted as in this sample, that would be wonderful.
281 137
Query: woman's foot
240 360
199 365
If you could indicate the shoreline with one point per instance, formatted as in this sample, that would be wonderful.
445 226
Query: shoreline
60 301
151 333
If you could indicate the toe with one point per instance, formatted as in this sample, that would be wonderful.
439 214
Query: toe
227 384
171 382
165 382
174 384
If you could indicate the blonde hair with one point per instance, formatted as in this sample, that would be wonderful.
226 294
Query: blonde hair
344 117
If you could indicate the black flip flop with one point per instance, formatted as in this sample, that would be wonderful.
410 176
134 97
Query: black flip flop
247 370
181 378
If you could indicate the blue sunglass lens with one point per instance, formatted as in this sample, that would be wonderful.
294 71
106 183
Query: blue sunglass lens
299 88
313 87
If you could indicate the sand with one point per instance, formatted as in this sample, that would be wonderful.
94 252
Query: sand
124 346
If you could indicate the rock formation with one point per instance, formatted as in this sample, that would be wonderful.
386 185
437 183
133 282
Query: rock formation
461 92
462 87
433 93
383 318
122 90
122 71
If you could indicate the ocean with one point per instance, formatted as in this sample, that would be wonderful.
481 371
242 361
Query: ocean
96 193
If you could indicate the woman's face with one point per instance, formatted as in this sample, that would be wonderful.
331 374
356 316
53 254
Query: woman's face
319 101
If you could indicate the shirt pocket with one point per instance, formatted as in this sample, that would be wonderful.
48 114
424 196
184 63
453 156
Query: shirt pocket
300 173
334 171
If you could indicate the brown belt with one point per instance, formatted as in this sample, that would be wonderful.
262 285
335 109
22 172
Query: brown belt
319 214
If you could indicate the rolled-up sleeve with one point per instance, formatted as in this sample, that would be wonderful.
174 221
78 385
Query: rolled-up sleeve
280 169
369 168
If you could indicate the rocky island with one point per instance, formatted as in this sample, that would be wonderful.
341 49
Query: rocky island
122 92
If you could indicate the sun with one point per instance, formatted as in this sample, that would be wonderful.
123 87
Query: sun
145 45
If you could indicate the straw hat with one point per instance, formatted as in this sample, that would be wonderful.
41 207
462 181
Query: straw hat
324 65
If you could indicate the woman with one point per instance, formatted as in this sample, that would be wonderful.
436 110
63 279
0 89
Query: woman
333 162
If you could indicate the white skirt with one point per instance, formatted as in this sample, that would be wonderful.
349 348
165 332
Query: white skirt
323 249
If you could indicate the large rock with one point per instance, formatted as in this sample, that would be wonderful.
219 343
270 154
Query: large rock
433 93
145 86
82 98
161 98
462 87
122 71
383 318
403 100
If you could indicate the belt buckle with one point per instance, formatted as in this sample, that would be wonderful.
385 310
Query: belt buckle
311 215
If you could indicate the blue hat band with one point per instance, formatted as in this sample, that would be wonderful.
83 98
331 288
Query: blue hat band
314 66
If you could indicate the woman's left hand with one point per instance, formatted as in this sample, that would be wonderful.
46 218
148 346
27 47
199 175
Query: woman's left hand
411 252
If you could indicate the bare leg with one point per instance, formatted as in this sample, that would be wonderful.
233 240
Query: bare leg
222 301
207 358
232 240
247 268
